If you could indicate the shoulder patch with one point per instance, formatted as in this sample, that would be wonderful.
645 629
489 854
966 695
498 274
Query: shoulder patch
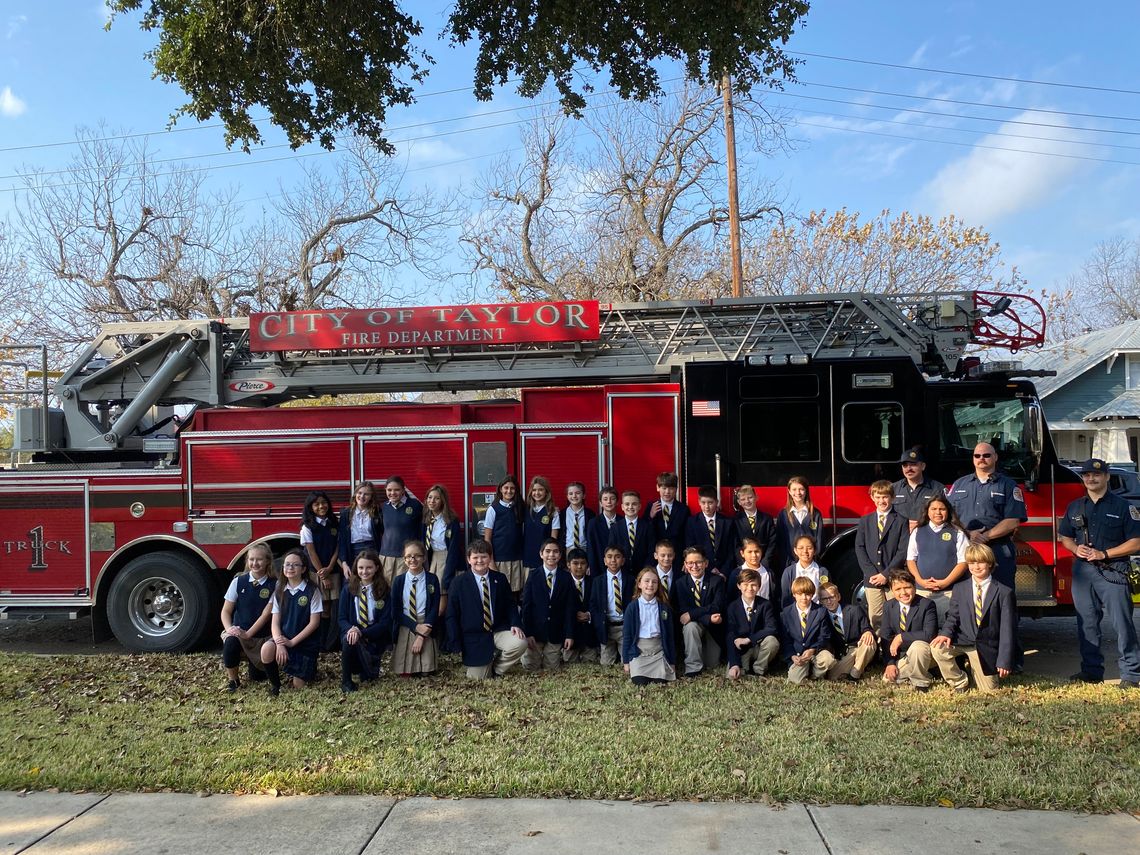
1018 495
1134 512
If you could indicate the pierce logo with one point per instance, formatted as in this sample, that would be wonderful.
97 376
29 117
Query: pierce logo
37 547
251 386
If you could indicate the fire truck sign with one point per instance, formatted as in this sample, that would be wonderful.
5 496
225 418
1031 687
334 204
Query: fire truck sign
431 326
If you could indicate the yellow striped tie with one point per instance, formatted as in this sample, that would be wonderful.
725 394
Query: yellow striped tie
581 593
697 593
902 618
413 602
748 614
752 524
712 532
665 588
362 609
803 624
617 595
427 534
978 606
665 515
486 604
632 537
577 523
880 525
549 581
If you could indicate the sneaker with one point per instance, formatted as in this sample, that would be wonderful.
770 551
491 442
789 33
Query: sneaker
348 686
852 678
1126 685
961 690
274 689
696 673
923 689
255 675
1085 677
232 686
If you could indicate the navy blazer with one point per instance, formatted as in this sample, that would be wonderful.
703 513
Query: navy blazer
399 598
344 534
456 558
675 531
631 631
921 625
712 598
855 623
642 554
465 631
737 625
584 633
599 539
765 532
599 602
996 637
878 555
564 536
788 531
549 617
724 556
378 633
818 634
789 575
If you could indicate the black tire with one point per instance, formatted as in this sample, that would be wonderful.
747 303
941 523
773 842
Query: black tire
160 603
843 567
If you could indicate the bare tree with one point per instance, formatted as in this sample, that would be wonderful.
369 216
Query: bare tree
1107 288
636 212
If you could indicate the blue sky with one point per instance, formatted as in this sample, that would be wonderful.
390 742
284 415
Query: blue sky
856 146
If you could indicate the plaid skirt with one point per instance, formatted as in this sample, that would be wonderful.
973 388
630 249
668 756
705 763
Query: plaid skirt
406 662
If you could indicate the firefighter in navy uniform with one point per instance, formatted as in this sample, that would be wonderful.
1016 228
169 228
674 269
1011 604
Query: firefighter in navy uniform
914 489
1097 528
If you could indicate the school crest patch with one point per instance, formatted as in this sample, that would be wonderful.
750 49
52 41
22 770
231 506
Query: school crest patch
302 600
545 519
379 604
812 526
823 580
408 510
946 535
264 593
431 589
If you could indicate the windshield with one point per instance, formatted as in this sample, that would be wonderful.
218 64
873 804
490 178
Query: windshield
1004 424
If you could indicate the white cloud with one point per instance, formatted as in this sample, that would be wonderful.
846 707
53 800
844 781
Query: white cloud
10 105
988 184
15 23
917 56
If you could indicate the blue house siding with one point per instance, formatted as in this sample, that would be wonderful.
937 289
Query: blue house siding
1079 397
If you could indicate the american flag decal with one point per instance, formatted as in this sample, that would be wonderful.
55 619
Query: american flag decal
705 408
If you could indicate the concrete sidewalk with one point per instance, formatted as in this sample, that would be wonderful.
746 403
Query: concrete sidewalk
120 824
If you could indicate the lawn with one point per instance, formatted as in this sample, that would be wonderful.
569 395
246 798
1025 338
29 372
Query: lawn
144 723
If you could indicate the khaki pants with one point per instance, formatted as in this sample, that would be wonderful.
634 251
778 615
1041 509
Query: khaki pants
548 656
580 654
758 658
610 652
392 566
946 659
857 658
701 649
914 666
941 600
820 664
509 649
876 600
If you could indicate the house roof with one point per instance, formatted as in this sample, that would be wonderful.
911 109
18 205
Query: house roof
1124 406
1072 358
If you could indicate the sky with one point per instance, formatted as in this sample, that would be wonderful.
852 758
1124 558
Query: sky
1003 114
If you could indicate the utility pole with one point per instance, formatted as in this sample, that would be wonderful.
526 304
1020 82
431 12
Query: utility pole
733 195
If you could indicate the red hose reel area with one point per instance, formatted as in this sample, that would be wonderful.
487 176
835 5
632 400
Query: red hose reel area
1012 321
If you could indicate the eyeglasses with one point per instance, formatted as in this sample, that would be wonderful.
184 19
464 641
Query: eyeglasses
828 599
983 456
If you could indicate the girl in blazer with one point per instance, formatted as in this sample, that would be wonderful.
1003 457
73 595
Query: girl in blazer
647 633
415 612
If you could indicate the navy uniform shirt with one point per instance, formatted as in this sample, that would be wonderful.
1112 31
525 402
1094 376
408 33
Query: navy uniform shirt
910 501
983 505
1108 523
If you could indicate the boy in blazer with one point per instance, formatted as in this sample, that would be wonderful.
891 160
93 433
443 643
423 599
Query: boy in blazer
807 634
700 604
482 619
752 522
632 534
585 638
668 516
881 539
713 533
599 528
576 518
981 623
548 602
910 623
751 633
853 643
609 597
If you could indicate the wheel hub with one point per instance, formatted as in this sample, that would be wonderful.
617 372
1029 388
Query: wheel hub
156 606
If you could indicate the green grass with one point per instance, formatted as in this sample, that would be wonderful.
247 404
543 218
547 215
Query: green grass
143 723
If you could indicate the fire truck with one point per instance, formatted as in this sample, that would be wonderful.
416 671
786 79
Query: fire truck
162 453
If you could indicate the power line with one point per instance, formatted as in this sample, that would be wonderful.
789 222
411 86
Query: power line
1083 86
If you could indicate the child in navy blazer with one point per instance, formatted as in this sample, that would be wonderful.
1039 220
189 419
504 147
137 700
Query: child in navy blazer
700 602
609 596
540 521
548 601
585 638
599 529
576 518
981 624
852 640
632 534
880 543
910 623
482 619
647 635
668 516
365 619
713 533
752 634
443 539
361 526
799 517
807 634
415 613
751 522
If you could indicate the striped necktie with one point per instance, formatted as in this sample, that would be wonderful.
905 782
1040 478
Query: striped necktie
549 581
362 609
712 532
902 618
486 604
427 534
413 602
978 605
697 593
632 536
665 586
837 622
880 525
577 525
748 614
803 624
581 591
665 515
617 595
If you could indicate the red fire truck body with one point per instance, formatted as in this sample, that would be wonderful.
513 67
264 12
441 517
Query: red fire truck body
147 531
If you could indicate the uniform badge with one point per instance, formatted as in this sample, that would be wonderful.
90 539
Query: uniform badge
1134 512
379 604
431 589
946 535
823 580
1017 494
408 510
302 600
664 614
812 525
265 588
545 519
